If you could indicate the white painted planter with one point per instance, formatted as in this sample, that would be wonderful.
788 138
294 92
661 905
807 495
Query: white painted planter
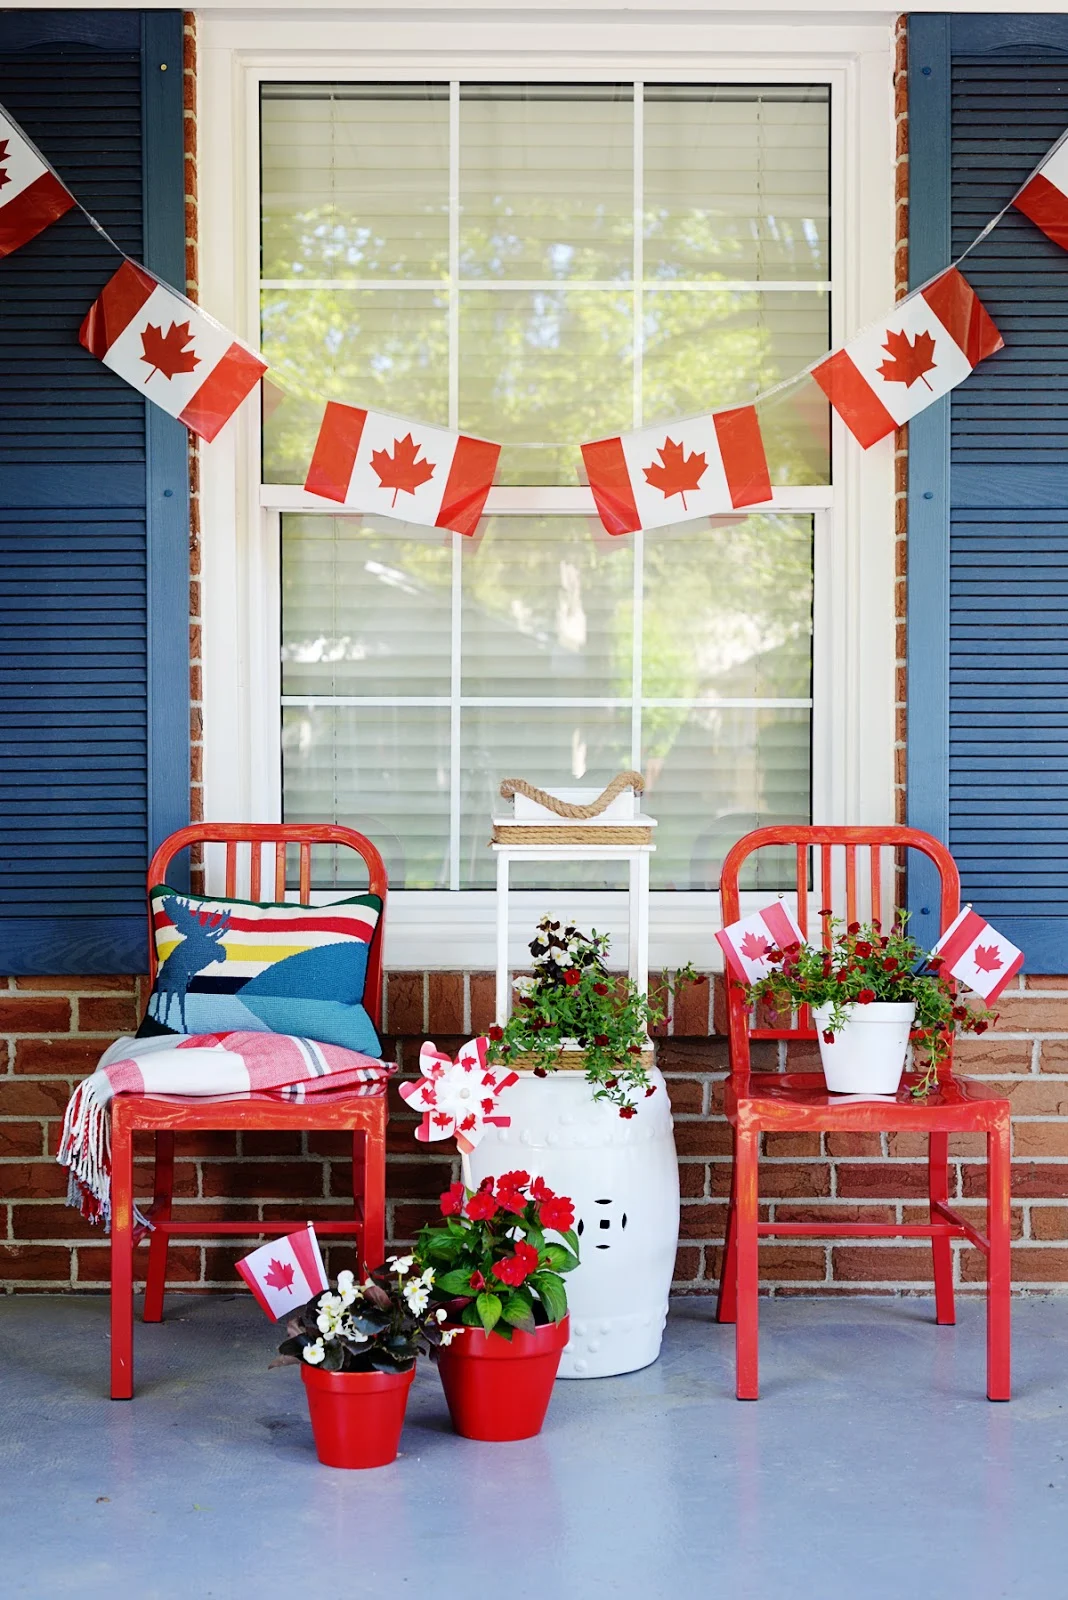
623 1176
868 1054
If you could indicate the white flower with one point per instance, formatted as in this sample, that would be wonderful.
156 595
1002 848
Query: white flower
427 1277
448 1335
329 1322
348 1290
563 958
417 1295
524 985
314 1352
402 1265
440 1314
351 1332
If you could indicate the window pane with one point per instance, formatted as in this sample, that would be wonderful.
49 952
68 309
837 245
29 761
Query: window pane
381 770
365 607
546 611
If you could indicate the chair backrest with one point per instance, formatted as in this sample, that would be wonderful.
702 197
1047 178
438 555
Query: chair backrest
280 835
828 856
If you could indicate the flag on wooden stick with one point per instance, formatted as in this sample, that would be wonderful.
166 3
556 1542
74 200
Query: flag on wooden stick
285 1274
977 955
747 944
31 196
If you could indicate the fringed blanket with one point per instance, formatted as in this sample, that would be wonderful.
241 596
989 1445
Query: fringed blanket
223 1065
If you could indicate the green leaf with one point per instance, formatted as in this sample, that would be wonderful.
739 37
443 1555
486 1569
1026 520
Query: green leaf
457 1282
551 1292
560 1259
470 1317
489 1310
517 1311
570 1238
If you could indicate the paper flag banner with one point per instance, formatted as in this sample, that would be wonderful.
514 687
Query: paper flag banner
747 942
892 371
457 1098
286 1274
31 196
979 956
1044 198
394 468
678 471
181 359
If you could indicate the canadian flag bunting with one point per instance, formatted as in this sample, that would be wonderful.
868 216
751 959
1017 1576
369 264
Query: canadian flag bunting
678 471
383 464
747 943
182 360
31 196
286 1274
892 371
979 956
1044 197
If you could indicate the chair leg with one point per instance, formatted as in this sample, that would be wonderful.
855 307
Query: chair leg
999 1264
121 1259
746 1331
374 1191
941 1249
727 1298
163 1194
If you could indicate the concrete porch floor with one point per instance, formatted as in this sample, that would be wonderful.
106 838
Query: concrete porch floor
872 1466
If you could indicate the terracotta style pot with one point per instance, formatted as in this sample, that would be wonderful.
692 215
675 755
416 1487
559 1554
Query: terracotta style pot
356 1417
500 1388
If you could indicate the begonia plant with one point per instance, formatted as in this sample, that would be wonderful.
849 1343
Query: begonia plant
379 1325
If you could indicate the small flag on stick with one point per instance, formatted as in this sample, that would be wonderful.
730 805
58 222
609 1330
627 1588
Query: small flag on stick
286 1274
747 943
977 955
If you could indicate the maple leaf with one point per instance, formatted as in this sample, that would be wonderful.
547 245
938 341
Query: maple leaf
168 352
4 156
279 1275
676 472
753 947
908 361
987 958
401 470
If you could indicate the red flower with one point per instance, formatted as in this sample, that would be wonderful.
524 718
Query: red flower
510 1200
866 996
600 1038
571 977
960 1013
513 1180
558 1214
862 947
934 961
452 1201
486 1186
628 1111
773 955
792 949
840 977
514 1270
481 1207
634 1049
854 927
828 1036
651 1090
876 924
600 988
611 1083
477 1281
891 964
702 977
981 1027
539 1190
496 1032
540 1072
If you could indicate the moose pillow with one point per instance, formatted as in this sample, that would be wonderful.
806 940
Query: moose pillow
235 966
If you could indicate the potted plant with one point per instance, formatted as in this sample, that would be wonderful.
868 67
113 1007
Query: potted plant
499 1276
870 993
357 1348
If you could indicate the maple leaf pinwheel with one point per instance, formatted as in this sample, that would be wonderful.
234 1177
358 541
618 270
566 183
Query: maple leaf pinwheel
402 469
279 1275
168 353
676 472
458 1098
909 360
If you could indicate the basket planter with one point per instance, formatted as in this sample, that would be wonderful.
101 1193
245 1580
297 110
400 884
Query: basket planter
868 1053
500 1388
356 1417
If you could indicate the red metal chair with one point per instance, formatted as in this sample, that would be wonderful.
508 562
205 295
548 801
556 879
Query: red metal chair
167 1115
794 1101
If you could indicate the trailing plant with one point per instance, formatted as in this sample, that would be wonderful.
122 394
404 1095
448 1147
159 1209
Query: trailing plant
860 965
571 998
379 1325
492 1264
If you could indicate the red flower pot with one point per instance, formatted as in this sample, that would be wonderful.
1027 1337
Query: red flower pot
356 1417
500 1388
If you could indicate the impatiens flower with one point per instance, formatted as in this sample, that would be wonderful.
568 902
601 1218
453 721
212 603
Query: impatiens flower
314 1353
402 1265
628 1111
539 1190
558 1213
840 977
513 1180
417 1295
510 1200
514 1270
452 1201
477 1281
866 996
571 977
481 1206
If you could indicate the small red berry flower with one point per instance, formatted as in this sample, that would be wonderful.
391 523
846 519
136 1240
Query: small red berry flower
496 1032
600 1038
628 1111
828 1036
571 977
866 996
600 988
863 948
854 927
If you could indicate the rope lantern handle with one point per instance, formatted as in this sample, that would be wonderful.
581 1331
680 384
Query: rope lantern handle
564 808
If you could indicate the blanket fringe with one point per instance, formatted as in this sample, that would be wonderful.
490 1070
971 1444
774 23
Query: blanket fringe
85 1148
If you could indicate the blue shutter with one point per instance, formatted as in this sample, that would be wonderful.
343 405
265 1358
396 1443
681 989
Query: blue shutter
988 581
93 507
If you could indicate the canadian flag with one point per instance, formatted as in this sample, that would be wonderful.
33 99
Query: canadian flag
747 943
181 359
286 1274
383 464
1044 197
978 955
678 472
31 196
928 344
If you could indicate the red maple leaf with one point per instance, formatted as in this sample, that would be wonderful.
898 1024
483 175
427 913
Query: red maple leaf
987 958
401 470
908 361
753 947
4 156
676 472
169 352
279 1275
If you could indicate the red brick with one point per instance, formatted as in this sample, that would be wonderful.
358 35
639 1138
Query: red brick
1045 980
185 1179
991 1056
406 1180
692 1176
404 1006
854 1144
1053 1055
692 1055
58 1221
36 1015
20 1139
262 1180
831 1214
75 1056
1024 1014
872 1263
1040 1139
1049 1222
65 985
33 1097
310 1210
687 1263
204 1213
802 1055
1045 1180
703 1138
483 991
686 1096
210 1143
409 1217
791 1262
277 1143
94 1266
792 1144
1030 1264
36 1263
975 1214
914 1145
445 1003
690 1010
890 1180
779 1180
115 1014
702 1221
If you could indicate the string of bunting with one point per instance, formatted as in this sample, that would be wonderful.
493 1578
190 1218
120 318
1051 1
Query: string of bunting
671 472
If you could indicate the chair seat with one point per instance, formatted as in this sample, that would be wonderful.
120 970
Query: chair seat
802 1100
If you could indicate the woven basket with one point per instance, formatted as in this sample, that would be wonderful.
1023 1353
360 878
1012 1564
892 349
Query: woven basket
569 833
573 1061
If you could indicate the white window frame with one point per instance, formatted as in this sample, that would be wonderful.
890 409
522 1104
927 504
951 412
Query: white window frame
854 638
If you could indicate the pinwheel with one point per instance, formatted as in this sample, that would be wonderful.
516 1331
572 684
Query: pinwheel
457 1098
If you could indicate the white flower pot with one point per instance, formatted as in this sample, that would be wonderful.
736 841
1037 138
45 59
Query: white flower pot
868 1053
623 1176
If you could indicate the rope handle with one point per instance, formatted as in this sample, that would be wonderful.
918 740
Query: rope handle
564 808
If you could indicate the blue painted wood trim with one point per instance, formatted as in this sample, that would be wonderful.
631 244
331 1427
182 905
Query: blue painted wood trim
972 35
927 762
43 946
167 441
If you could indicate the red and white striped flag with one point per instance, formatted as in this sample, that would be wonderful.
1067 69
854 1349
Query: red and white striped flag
679 472
31 196
747 943
181 359
978 955
385 465
892 371
1044 197
285 1274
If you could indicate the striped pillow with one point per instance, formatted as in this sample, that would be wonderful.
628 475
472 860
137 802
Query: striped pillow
233 966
